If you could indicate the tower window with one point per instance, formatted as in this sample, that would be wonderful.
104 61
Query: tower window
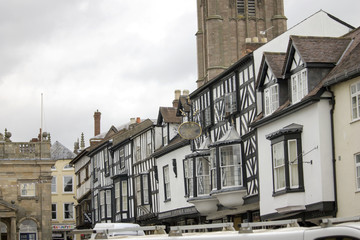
246 6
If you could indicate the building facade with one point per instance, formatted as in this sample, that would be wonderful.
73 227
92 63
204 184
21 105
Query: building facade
63 201
25 188
344 82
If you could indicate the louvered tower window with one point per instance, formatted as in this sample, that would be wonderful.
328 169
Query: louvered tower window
250 7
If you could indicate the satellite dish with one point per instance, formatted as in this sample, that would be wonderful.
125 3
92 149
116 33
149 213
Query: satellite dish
189 130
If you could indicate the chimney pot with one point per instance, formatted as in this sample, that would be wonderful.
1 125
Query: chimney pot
138 120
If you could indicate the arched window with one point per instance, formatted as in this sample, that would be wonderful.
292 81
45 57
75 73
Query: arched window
28 230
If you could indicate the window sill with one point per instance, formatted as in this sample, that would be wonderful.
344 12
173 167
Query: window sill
354 121
286 191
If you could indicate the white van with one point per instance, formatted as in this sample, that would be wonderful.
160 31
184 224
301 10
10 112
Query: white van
330 229
114 230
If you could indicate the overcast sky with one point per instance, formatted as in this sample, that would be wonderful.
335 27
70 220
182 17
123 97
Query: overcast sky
122 57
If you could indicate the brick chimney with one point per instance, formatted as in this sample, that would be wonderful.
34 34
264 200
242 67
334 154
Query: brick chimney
177 97
138 120
97 116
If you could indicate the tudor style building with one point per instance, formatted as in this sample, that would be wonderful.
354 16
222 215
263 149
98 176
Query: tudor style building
295 130
229 29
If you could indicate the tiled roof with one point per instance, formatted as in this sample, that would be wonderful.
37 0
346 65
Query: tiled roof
275 60
59 151
320 49
349 63
169 115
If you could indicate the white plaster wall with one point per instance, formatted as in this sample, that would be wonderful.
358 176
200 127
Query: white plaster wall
157 137
318 177
347 144
176 183
173 130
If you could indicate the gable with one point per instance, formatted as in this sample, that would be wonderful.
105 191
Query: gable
297 61
7 207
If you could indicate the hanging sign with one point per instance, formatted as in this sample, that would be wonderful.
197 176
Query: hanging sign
189 130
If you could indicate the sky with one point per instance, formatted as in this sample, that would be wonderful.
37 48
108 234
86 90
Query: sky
62 60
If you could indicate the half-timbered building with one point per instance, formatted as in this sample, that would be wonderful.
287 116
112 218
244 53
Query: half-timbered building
145 172
221 172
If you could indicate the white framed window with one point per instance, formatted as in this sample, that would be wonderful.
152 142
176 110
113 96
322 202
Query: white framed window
53 184
108 203
166 182
124 195
293 163
53 211
203 175
68 184
27 189
355 100
68 211
230 166
299 86
117 197
357 168
145 188
271 99
279 165
102 204
188 177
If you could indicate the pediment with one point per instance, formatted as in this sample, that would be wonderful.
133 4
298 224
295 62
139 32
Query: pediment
7 207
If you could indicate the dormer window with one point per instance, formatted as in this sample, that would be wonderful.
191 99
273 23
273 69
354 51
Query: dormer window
299 86
271 99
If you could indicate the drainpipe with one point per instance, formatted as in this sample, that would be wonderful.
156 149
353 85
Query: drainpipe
332 102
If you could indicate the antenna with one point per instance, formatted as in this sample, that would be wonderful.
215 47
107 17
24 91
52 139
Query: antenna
42 117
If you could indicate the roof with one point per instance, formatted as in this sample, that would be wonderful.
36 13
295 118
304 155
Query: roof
168 115
349 64
316 49
60 152
118 138
274 60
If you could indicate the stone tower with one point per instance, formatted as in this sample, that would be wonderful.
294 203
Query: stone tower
229 29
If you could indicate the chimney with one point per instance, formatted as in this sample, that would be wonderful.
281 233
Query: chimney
97 116
177 97
186 92
138 120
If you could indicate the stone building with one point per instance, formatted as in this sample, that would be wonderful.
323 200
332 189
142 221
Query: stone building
25 188
229 29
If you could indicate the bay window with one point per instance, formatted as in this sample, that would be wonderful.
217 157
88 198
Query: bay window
287 159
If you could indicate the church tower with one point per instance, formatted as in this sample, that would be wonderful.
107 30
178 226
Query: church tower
229 29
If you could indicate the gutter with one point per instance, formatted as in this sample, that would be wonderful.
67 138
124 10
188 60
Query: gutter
332 102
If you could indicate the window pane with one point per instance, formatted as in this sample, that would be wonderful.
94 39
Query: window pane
68 184
68 211
53 185
294 163
357 165
279 165
124 196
